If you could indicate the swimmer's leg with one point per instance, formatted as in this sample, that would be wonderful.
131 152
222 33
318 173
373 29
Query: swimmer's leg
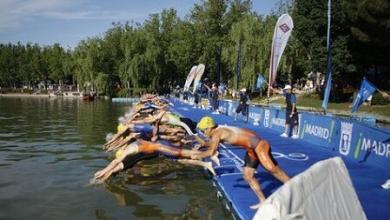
248 173
129 150
116 169
263 152
149 147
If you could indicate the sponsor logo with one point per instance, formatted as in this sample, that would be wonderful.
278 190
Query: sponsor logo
345 138
317 131
222 109
278 122
266 118
284 27
373 146
291 156
255 116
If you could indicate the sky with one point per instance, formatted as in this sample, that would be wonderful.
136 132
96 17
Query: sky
69 21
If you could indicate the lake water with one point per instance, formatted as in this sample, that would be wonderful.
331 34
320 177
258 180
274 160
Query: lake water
50 148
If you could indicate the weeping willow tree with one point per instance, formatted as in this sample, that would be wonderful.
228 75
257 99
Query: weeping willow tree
254 34
86 54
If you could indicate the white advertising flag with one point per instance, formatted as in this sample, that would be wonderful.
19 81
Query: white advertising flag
282 32
190 78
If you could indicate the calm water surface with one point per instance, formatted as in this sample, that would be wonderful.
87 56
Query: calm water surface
50 148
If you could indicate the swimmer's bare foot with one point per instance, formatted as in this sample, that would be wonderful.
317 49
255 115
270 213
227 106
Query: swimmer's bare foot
257 206
209 166
215 158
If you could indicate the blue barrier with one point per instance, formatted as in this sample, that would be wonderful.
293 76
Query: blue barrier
255 114
318 129
278 119
232 106
350 138
223 107
363 143
127 100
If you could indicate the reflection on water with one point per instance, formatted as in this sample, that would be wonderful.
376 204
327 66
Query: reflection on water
50 148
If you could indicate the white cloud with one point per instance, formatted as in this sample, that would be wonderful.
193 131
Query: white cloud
92 14
15 13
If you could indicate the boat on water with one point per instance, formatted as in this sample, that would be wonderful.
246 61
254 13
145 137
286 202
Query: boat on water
88 96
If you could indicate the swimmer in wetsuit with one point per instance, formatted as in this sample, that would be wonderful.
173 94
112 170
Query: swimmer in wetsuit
258 152
148 148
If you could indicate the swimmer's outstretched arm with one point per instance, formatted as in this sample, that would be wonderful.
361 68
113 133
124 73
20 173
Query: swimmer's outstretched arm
157 126
151 119
200 141
116 136
212 148
123 142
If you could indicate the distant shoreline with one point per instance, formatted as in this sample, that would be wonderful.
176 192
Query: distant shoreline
24 95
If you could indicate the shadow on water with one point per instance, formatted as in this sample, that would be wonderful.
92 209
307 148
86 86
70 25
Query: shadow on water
50 148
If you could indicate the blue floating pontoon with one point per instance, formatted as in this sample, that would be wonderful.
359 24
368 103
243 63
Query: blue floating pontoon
368 169
125 100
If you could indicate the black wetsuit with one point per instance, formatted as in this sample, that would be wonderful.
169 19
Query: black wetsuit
290 100
243 106
132 160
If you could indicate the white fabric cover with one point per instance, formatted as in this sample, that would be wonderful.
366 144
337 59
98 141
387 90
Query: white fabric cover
322 192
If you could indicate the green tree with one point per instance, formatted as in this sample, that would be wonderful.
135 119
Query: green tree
370 30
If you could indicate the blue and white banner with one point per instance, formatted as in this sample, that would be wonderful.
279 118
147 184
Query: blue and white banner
255 114
260 81
223 107
232 106
366 90
329 70
274 119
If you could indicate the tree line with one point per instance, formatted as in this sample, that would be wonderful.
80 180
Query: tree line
219 33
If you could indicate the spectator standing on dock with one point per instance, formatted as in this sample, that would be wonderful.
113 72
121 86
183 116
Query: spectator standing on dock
242 105
214 94
177 91
292 119
197 95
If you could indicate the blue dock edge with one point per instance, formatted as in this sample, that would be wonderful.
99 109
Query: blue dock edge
125 100
364 149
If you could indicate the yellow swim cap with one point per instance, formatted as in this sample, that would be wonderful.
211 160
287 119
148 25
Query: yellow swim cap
120 128
137 107
206 122
118 153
